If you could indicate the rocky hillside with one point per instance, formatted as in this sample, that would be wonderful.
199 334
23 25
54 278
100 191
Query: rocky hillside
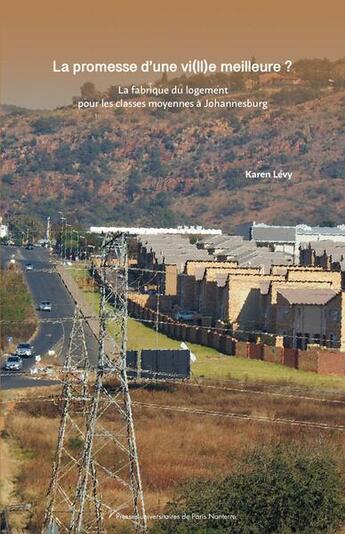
154 167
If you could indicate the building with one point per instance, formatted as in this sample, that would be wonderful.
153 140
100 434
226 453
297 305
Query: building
309 316
134 230
163 257
300 304
289 238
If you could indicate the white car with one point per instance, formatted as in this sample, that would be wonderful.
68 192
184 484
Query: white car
45 305
14 363
29 267
25 350
185 315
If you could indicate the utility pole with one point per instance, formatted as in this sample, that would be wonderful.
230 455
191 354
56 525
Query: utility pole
107 490
48 231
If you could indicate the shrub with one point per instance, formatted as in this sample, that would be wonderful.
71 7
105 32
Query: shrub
272 492
46 125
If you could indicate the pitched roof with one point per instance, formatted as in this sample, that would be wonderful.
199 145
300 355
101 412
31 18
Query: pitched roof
307 296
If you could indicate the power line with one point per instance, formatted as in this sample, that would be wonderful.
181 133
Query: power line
178 383
261 419
213 413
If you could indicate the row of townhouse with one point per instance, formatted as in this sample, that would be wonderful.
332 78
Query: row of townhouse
287 239
251 289
301 305
327 254
163 257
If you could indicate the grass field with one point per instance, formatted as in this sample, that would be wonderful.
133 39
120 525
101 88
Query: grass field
210 363
173 446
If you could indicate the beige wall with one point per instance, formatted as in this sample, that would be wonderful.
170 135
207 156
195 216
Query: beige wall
246 304
315 275
170 280
323 321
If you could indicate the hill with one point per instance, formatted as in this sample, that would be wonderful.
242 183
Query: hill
175 167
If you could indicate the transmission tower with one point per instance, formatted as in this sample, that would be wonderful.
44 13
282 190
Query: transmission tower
108 490
72 429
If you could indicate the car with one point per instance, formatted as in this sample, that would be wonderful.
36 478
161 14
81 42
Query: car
29 246
185 315
29 267
45 305
25 350
14 363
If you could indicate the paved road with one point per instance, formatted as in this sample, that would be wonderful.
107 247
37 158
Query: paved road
55 326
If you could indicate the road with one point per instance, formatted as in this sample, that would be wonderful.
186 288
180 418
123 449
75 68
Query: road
55 326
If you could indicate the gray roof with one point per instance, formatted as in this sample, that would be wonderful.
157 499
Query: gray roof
272 234
307 296
321 230
215 240
287 234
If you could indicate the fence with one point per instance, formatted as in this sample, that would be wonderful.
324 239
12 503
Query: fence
318 360
158 363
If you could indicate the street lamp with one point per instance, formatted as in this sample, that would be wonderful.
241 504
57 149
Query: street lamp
70 241
62 236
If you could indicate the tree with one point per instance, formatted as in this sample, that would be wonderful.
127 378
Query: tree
278 491
315 71
154 166
133 183
88 91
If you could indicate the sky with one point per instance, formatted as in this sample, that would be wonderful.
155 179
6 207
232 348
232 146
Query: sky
35 33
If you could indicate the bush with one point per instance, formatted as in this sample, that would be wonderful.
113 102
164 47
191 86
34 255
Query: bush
280 491
335 169
46 125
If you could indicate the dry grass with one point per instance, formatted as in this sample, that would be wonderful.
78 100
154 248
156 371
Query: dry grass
173 447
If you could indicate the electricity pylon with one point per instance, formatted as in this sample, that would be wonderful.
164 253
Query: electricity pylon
68 454
108 489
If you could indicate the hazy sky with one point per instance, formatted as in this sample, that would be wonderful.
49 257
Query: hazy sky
36 32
